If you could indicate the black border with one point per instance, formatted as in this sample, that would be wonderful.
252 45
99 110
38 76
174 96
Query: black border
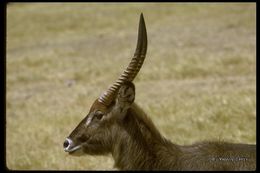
3 12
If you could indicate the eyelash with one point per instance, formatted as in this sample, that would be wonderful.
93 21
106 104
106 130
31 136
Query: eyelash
99 115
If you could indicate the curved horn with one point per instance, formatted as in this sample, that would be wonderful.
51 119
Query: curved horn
133 67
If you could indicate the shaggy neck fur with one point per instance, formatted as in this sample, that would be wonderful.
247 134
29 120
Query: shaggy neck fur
140 145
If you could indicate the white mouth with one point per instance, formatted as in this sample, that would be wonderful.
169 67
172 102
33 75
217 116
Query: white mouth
70 148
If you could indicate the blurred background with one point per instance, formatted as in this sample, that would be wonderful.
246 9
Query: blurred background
198 81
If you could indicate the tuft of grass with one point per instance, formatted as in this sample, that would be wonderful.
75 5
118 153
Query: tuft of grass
198 81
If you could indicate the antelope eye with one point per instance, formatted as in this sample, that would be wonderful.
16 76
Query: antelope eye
99 115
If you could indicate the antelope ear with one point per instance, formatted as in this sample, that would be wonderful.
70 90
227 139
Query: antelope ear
125 98
126 94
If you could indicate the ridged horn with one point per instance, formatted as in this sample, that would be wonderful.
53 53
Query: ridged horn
132 69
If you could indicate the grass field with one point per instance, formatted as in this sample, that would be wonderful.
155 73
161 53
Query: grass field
198 81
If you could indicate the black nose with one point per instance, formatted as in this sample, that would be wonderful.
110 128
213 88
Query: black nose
66 143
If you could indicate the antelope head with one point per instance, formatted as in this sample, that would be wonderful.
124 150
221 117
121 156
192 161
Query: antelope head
94 134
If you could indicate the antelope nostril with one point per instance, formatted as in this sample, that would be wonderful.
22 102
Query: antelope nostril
66 143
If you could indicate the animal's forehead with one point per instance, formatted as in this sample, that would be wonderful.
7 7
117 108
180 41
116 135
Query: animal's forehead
88 118
90 114
97 106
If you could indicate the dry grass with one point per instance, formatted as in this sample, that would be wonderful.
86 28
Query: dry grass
197 83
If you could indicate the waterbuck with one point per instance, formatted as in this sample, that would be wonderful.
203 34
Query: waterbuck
116 125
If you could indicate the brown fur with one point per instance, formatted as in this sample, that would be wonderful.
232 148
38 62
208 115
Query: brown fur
142 147
136 144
